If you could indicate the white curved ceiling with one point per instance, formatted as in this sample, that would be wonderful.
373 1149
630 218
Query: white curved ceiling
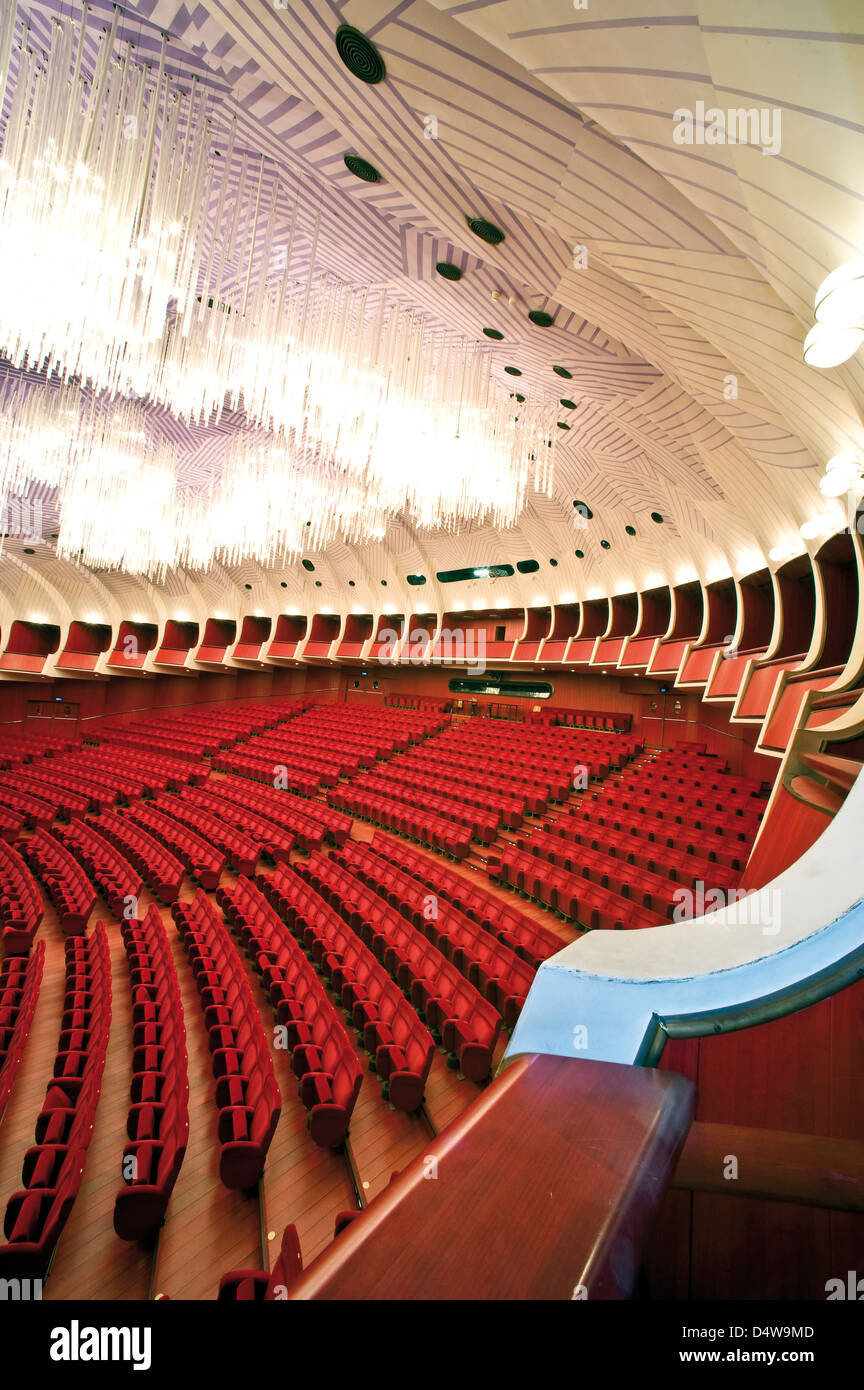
681 322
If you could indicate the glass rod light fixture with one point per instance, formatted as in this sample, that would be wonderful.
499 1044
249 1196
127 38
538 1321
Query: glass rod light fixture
179 289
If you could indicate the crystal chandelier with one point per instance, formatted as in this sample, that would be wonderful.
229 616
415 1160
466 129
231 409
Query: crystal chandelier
177 290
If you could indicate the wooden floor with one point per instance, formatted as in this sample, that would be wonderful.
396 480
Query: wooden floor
209 1229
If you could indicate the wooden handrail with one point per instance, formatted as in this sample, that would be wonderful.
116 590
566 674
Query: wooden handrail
808 1169
545 1188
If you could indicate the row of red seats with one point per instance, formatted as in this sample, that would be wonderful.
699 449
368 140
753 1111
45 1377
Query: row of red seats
18 747
69 888
482 825
529 939
523 793
35 810
508 811
340 755
154 773
403 1055
11 823
117 880
400 726
130 736
502 976
660 831
279 809
20 902
247 1095
575 898
690 800
271 839
727 784
730 826
157 1125
159 868
50 789
624 844
467 1023
300 779
54 1167
278 804
197 855
19 990
322 1058
103 786
240 850
419 825
652 890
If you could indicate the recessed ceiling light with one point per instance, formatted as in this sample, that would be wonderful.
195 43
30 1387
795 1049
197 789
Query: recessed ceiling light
359 54
487 231
362 169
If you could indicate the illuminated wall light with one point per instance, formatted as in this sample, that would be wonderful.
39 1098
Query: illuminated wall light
780 552
716 572
839 312
816 526
595 593
569 597
457 608
686 575
842 473
478 605
37 618
389 608
840 297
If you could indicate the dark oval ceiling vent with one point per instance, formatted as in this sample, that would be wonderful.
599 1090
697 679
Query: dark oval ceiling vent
362 168
567 404
541 318
359 54
448 270
562 426
513 371
487 231
493 333
562 371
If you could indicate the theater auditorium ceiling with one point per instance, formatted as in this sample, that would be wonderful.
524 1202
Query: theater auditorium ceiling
670 272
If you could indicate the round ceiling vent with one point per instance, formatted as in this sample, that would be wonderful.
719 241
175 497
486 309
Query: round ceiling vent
362 168
541 318
487 231
448 270
562 371
359 54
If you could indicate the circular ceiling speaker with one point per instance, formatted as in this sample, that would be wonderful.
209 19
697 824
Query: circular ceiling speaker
493 333
448 270
631 530
562 371
362 168
541 318
359 54
487 231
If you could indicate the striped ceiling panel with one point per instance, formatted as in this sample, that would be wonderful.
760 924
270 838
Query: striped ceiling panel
680 276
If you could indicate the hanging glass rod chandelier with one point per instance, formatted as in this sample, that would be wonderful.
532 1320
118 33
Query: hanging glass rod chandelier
142 258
